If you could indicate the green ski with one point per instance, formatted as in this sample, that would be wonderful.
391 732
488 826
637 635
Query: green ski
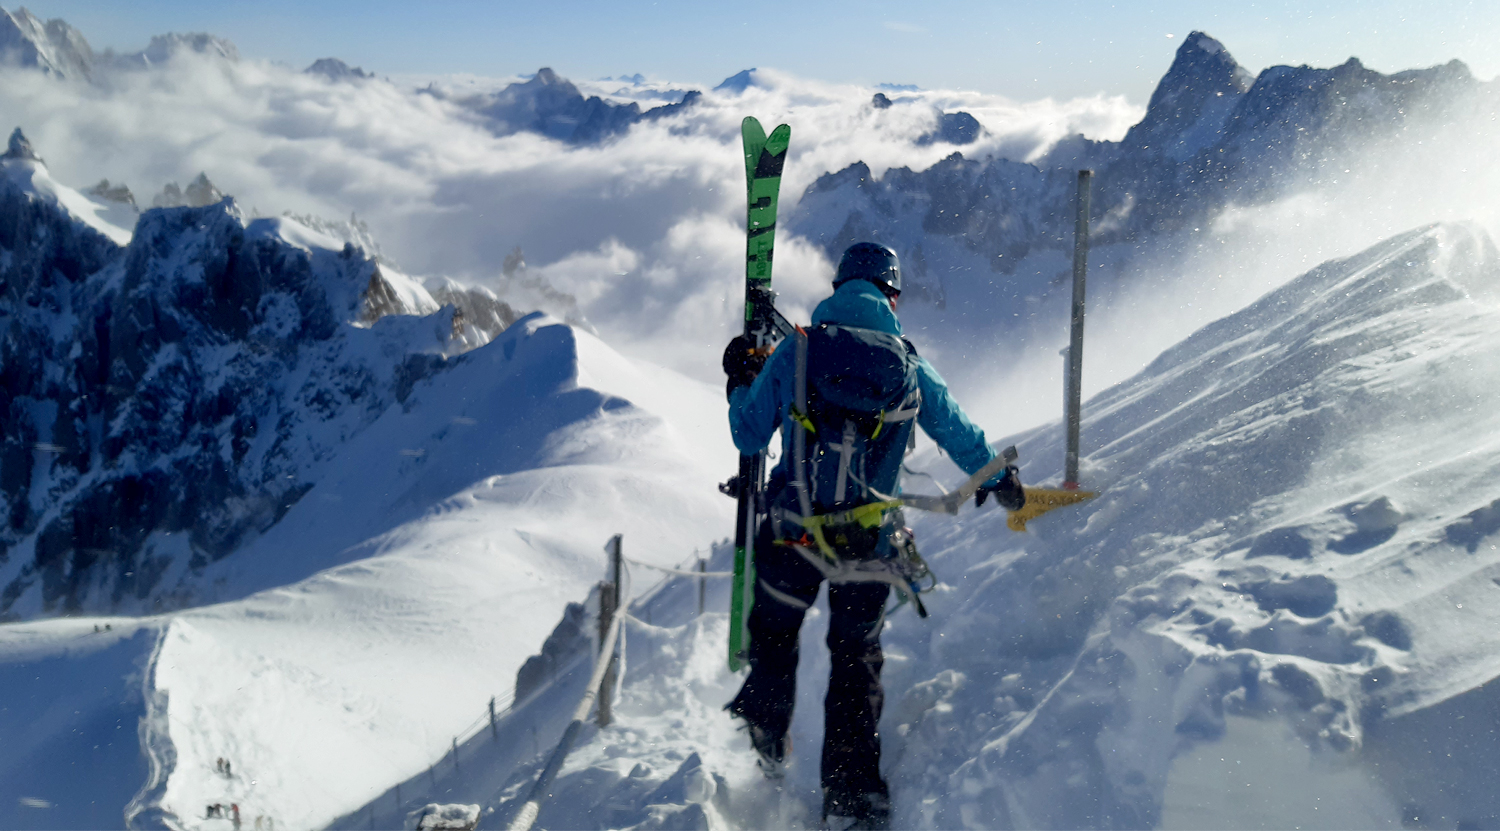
764 157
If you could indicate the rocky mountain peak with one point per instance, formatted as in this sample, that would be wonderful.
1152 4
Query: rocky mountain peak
738 82
19 148
1201 86
336 70
199 193
164 47
54 47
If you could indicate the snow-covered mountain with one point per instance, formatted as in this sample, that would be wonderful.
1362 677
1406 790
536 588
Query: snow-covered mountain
552 106
58 49
1277 613
336 70
53 47
168 399
983 235
382 612
268 499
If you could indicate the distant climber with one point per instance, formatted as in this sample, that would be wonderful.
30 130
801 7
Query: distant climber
831 496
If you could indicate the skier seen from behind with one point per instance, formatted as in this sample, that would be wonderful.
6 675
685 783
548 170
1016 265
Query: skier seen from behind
830 501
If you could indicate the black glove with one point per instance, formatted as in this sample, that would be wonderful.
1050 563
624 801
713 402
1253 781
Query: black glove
1008 491
742 362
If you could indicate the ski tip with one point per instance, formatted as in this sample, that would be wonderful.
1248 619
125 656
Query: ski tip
753 133
777 142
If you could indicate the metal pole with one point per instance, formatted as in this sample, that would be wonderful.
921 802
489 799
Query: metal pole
609 599
702 584
1074 374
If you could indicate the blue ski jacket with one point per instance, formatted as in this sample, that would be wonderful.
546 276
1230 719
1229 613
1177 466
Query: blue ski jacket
757 410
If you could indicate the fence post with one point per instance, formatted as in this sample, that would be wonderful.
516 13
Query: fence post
455 753
494 731
609 604
702 584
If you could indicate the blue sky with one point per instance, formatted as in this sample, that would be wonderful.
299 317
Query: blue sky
1024 50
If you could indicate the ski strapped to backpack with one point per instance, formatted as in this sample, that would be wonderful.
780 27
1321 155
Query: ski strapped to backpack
764 158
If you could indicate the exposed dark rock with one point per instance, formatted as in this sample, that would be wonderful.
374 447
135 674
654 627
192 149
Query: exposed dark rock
552 106
199 193
19 149
1210 138
336 70
738 82
568 638
147 387
953 128
112 193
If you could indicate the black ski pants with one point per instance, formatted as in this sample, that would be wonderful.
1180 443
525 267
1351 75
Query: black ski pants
786 586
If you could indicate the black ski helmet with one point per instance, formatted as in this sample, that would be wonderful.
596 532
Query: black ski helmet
873 262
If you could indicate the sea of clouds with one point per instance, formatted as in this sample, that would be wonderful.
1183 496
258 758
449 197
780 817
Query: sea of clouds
645 230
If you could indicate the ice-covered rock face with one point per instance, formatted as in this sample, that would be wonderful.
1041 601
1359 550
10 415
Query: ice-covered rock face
53 47
162 401
1191 101
59 50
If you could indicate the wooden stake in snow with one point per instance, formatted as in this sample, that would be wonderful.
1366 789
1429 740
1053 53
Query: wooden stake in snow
702 567
1073 380
527 815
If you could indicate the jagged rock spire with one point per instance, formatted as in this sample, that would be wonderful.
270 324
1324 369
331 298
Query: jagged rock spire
20 148
1203 77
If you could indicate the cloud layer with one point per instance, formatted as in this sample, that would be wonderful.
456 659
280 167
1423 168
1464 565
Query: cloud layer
646 230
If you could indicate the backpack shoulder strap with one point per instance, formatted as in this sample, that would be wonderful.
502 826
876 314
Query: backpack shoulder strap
799 435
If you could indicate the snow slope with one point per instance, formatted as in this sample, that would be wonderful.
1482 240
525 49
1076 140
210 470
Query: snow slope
442 542
1277 613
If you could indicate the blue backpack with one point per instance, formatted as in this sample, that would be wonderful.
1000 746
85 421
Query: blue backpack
857 401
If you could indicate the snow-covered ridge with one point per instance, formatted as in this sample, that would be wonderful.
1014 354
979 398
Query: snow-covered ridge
1274 613
376 620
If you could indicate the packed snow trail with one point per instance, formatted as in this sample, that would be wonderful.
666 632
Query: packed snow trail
1288 571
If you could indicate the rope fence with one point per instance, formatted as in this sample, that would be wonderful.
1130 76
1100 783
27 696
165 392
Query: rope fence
504 704
679 572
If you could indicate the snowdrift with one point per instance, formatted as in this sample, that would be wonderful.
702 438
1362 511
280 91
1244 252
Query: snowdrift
443 542
1274 614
